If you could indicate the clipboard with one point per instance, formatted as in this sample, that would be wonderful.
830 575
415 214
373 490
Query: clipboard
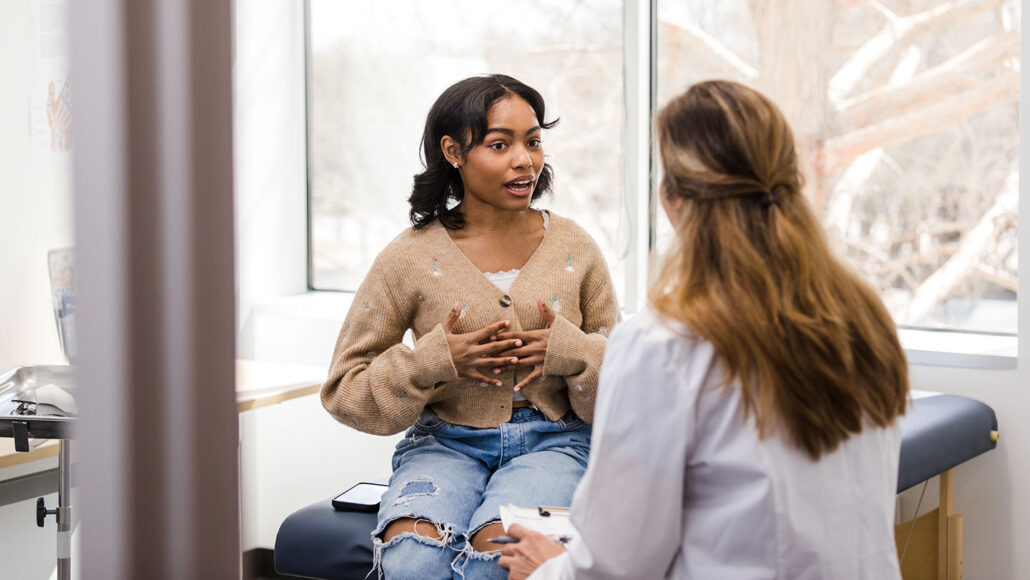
553 522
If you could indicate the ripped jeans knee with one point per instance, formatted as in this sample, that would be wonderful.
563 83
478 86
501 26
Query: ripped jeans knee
410 555
475 565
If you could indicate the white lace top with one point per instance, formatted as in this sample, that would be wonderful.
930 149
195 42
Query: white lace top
504 280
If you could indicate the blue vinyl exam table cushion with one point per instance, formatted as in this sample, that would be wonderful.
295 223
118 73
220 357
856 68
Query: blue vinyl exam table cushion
938 433
320 542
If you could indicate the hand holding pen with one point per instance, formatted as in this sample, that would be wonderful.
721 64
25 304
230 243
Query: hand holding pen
525 550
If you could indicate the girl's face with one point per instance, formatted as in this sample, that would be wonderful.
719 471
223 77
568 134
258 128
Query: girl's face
502 171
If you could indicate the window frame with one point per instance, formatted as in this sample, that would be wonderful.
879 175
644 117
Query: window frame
640 49
309 254
639 44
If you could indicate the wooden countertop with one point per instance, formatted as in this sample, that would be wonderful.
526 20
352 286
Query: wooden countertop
258 384
10 457
263 383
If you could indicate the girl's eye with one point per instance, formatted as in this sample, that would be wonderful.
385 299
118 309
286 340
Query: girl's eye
535 142
498 146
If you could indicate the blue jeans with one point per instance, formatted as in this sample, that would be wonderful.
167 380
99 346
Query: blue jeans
457 478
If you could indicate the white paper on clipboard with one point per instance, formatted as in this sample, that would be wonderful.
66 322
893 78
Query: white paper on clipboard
555 526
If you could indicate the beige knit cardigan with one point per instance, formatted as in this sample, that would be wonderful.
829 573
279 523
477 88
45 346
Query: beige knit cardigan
378 385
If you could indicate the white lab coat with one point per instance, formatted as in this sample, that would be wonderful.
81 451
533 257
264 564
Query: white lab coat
680 486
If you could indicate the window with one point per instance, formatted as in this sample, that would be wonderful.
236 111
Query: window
377 67
906 113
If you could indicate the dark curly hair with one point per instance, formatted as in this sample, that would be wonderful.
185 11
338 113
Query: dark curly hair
460 112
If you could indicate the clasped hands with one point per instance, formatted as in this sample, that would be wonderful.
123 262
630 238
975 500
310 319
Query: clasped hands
492 347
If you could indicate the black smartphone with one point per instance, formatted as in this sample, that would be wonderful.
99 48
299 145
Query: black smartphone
361 497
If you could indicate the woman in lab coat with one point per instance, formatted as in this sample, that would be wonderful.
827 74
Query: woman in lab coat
746 424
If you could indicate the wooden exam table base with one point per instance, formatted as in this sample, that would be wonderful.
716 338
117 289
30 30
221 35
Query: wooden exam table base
935 547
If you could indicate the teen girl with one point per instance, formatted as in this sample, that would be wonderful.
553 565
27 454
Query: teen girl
510 308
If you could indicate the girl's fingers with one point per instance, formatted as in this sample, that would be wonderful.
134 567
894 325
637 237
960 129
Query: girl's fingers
503 368
502 346
452 317
513 335
524 335
532 377
478 376
529 359
526 351
497 362
545 311
491 329
492 350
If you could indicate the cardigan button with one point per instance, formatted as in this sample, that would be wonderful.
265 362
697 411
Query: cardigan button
505 301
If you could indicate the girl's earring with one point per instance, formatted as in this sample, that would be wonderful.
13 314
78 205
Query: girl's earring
455 164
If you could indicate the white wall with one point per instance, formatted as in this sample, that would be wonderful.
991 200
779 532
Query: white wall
291 454
270 157
294 454
35 202
35 217
28 551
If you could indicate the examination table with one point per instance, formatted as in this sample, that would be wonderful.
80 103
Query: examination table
939 433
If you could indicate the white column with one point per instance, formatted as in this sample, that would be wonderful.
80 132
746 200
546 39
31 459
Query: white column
156 467
639 58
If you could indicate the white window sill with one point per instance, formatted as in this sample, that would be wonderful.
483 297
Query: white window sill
923 347
959 349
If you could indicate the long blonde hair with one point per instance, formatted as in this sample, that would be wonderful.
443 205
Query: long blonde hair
811 345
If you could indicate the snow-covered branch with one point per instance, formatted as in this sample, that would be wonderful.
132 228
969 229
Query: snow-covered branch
895 35
974 245
703 45
956 74
839 151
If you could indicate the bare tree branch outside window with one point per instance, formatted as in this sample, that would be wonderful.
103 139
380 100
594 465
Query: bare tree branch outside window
906 114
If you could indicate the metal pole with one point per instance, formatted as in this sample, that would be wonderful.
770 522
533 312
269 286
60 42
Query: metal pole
64 511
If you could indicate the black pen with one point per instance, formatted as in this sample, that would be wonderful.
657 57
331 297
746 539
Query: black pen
510 540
